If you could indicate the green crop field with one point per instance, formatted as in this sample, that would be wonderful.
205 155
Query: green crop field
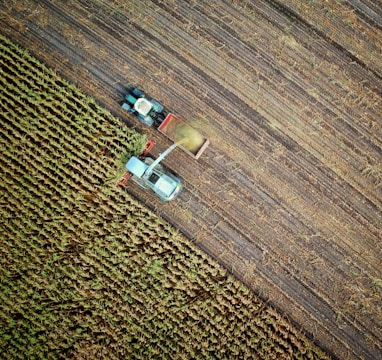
87 272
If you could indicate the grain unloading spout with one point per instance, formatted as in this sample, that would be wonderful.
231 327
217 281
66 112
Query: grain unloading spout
161 157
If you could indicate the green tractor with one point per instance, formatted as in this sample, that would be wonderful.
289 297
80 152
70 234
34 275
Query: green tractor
146 109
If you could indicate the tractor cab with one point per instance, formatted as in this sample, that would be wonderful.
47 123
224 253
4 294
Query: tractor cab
143 106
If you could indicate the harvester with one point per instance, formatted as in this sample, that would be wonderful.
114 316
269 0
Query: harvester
149 173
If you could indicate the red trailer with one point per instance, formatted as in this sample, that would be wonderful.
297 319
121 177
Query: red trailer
187 138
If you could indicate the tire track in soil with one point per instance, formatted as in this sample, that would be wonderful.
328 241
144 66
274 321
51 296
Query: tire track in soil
347 26
368 11
229 237
343 51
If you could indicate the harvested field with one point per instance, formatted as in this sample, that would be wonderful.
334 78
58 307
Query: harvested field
87 272
288 195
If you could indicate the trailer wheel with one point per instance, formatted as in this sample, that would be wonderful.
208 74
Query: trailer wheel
160 118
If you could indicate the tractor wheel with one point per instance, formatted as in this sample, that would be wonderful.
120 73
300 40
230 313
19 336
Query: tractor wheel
126 106
136 92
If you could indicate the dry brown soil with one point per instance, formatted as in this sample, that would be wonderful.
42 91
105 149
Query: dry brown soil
288 195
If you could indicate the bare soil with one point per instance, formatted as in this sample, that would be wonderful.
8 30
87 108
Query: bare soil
288 194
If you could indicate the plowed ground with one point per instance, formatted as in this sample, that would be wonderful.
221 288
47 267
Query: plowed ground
288 195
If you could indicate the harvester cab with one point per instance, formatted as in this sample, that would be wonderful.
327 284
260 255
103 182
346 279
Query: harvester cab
149 173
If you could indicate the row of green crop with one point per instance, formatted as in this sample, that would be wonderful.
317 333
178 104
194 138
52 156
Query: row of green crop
108 274
64 158
67 98
45 81
112 278
52 119
52 177
57 104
